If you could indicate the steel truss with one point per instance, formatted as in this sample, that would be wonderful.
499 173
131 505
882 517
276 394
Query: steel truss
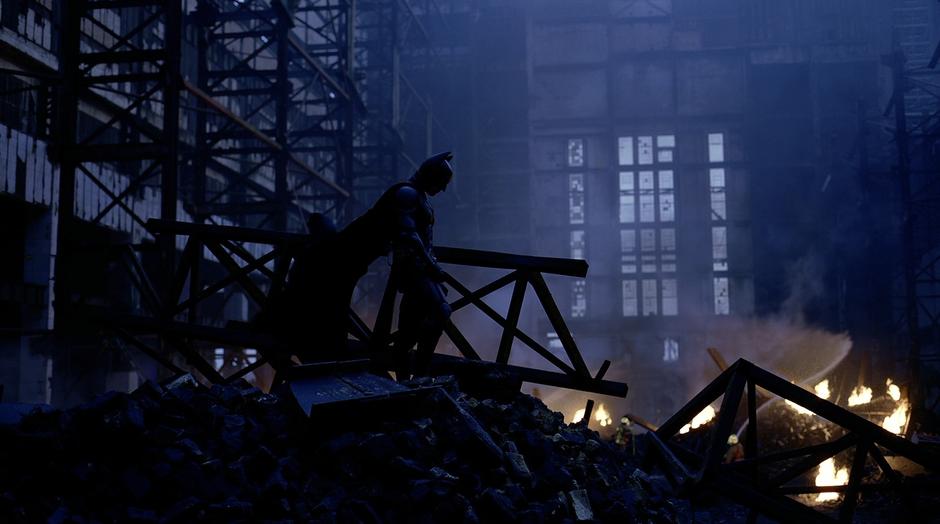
131 74
282 113
763 482
394 50
915 143
274 119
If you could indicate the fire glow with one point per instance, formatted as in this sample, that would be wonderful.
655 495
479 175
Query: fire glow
896 421
703 417
860 395
822 391
893 390
601 415
827 475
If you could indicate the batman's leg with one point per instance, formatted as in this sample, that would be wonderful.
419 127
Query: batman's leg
436 312
409 326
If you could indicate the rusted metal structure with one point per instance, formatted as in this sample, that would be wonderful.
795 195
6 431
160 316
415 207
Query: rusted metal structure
763 481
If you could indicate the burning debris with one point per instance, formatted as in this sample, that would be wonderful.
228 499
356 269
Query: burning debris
601 416
827 475
699 420
188 453
786 467
860 395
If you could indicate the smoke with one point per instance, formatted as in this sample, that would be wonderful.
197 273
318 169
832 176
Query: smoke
804 278
784 343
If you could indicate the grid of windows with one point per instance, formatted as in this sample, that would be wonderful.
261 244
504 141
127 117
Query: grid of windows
576 212
647 211
719 217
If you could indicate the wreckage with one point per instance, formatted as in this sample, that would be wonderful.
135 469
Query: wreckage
338 440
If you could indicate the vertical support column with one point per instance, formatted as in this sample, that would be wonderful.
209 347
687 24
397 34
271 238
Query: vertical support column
67 120
347 160
907 232
281 103
201 159
169 175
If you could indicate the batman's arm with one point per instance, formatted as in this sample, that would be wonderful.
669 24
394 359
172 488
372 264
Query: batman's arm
407 201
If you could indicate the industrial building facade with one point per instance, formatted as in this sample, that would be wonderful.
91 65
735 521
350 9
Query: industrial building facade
701 156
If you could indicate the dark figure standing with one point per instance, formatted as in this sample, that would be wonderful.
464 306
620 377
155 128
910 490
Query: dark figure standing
401 222
309 316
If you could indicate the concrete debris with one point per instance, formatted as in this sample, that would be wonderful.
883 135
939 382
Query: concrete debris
187 453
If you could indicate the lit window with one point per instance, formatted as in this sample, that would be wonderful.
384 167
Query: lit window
219 358
625 150
576 199
716 147
670 350
628 251
644 146
630 298
650 297
720 248
666 141
647 200
667 197
627 198
648 250
718 196
577 244
664 146
578 298
554 342
575 152
722 300
251 355
670 295
667 248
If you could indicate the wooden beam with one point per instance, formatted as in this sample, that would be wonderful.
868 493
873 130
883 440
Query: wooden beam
843 417
234 269
497 260
704 397
512 320
558 324
526 339
450 364
723 426
460 342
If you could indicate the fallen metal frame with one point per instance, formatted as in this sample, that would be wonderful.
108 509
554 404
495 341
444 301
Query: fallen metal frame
743 481
257 281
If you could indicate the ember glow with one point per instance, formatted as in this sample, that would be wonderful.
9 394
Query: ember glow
828 476
860 395
704 416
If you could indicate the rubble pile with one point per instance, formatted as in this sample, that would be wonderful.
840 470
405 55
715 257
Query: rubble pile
188 453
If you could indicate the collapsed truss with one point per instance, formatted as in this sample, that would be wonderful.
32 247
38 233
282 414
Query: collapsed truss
749 482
